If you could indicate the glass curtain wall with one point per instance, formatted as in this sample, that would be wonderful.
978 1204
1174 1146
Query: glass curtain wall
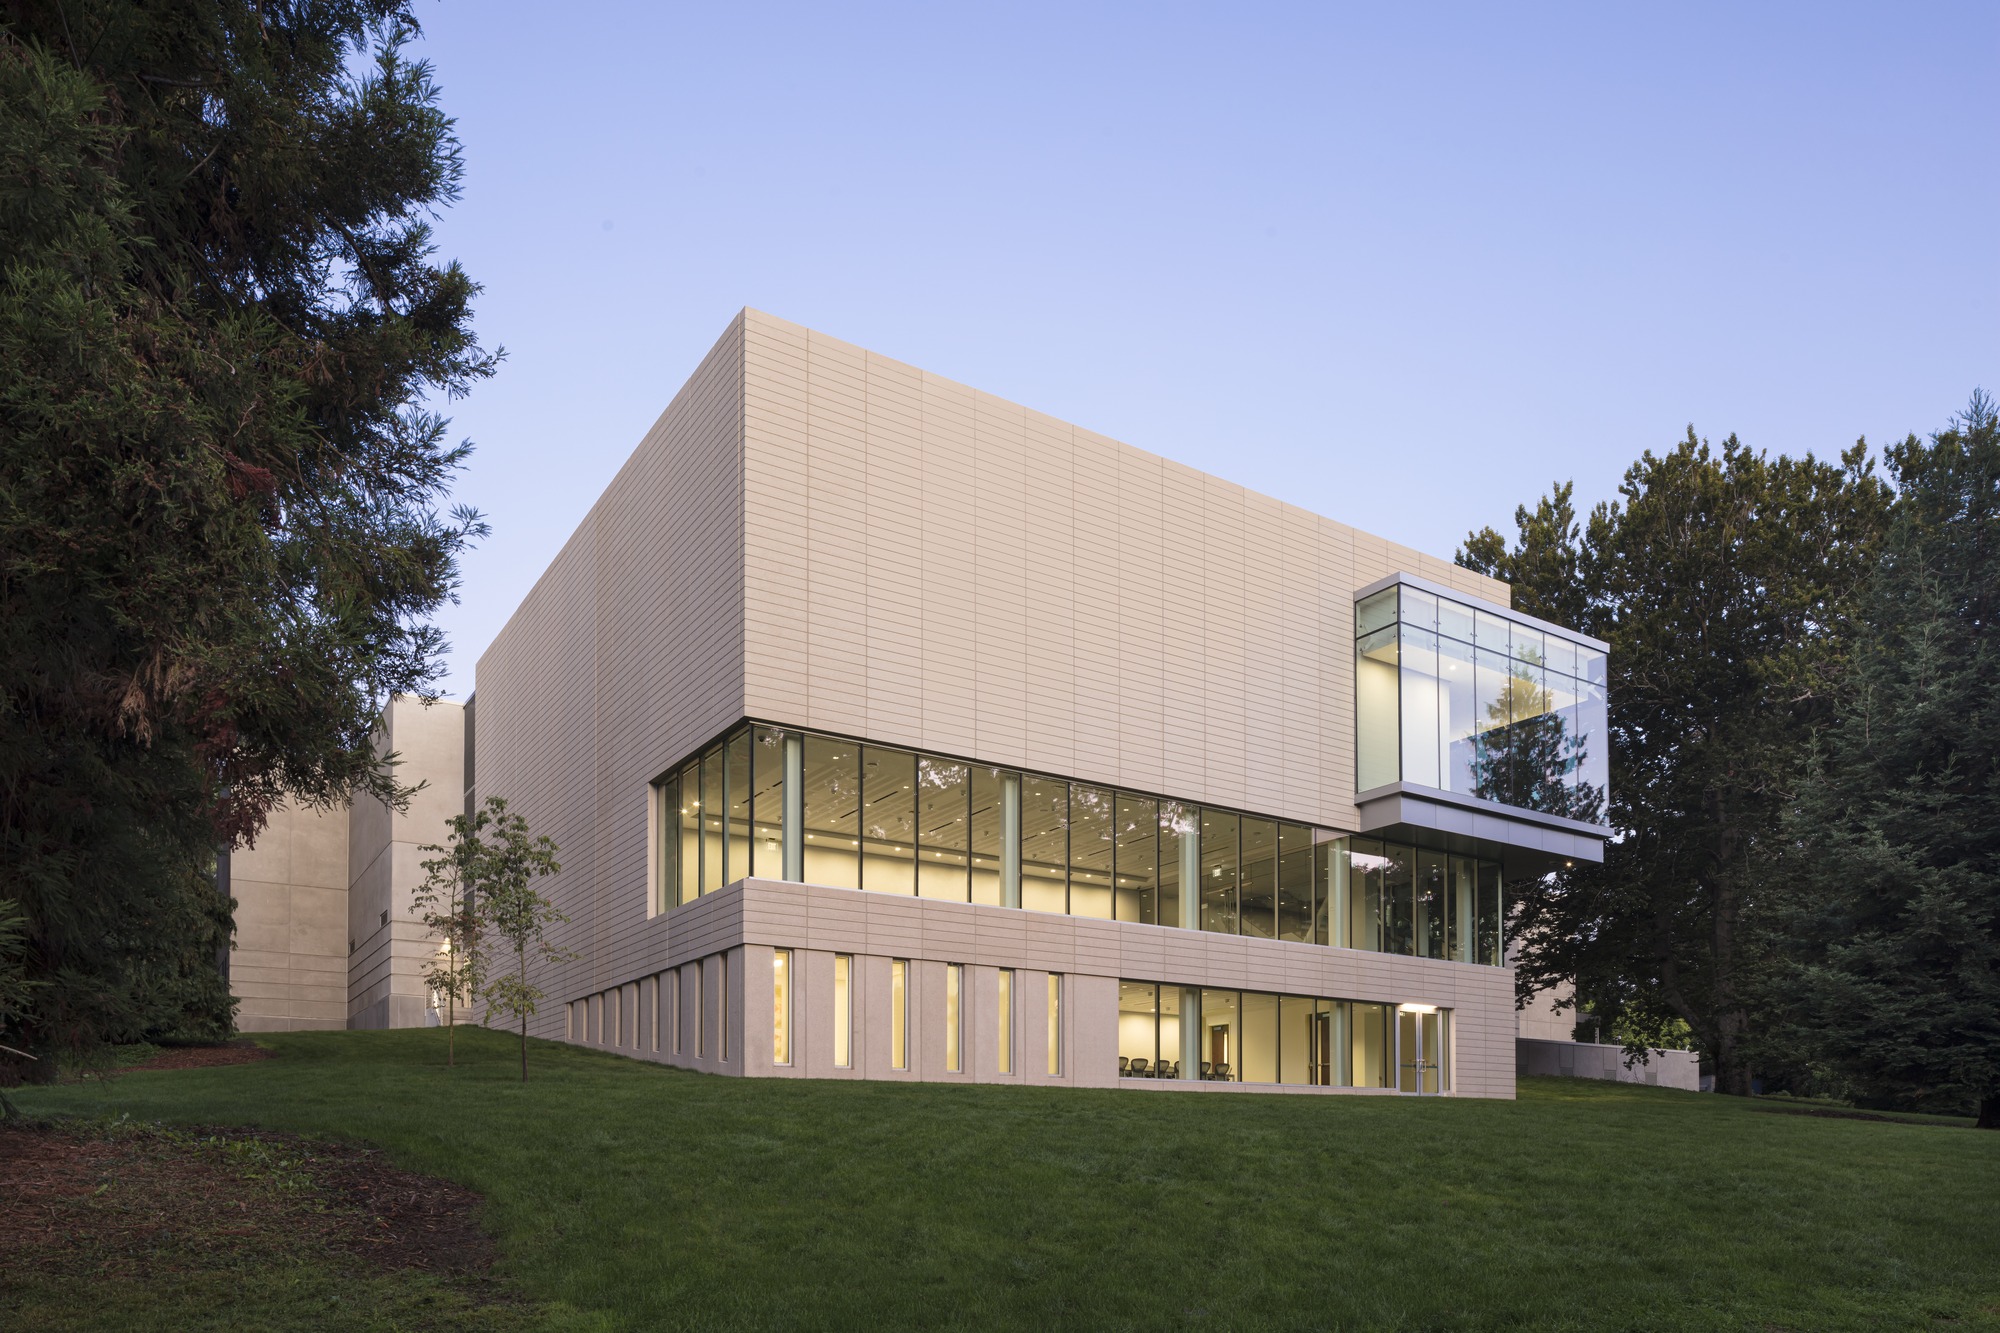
1253 1037
895 821
1461 699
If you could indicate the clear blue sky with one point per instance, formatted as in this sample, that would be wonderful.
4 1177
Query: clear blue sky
1403 265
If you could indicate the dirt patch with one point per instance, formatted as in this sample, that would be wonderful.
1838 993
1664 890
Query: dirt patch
137 1202
242 1051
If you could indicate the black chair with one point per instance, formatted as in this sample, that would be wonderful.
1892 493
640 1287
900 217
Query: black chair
1124 1067
1204 1069
1139 1064
1221 1074
1174 1072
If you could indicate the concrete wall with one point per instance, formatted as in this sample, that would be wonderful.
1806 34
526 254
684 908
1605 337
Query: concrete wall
390 946
681 990
1539 1018
1576 1059
288 963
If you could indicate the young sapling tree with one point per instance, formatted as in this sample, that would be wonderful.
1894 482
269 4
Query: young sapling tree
448 904
516 913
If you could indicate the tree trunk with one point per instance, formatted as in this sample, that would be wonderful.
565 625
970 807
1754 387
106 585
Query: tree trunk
1989 1112
1732 1021
524 1019
451 1027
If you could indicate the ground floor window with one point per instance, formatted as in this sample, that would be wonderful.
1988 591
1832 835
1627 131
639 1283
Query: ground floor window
899 1013
1055 1024
781 1006
1005 1013
1194 1032
954 1012
843 1010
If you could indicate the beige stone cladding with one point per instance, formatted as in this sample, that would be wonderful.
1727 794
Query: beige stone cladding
817 536
930 566
625 656
389 944
691 1015
288 962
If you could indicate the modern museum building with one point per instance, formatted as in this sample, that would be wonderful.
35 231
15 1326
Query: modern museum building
891 730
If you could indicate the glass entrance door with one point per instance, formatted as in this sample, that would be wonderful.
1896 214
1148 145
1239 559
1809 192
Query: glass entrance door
1423 1056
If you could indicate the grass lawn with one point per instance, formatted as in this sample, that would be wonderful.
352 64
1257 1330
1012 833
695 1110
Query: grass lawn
629 1196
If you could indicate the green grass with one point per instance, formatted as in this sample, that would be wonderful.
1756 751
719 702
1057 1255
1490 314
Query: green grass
628 1196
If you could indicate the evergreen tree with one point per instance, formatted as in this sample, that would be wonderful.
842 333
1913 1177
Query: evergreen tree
1722 581
1896 906
221 488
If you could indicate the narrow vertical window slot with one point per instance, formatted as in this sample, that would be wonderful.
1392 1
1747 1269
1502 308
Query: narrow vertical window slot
781 1006
1005 1013
843 1011
954 991
899 1013
1055 1024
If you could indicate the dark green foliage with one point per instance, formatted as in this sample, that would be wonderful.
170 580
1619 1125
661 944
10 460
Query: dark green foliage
1722 581
1894 903
220 485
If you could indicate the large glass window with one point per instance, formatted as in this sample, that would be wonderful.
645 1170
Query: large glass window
944 804
1257 893
714 826
1044 844
989 797
666 820
1295 883
1371 1047
690 831
1218 871
767 804
1431 903
1138 1029
1137 865
832 813
1091 841
888 820
1221 1036
1260 1037
1180 865
1461 698
736 806
1253 1037
895 821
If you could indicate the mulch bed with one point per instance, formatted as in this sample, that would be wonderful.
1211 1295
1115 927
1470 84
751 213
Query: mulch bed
118 1200
242 1051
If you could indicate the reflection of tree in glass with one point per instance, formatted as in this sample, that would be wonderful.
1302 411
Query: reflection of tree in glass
1526 754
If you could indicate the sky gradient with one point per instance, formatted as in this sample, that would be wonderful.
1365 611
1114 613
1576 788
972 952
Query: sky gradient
1404 266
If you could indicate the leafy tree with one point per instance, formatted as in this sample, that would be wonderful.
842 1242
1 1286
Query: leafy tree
221 534
448 905
1723 581
509 904
1895 909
